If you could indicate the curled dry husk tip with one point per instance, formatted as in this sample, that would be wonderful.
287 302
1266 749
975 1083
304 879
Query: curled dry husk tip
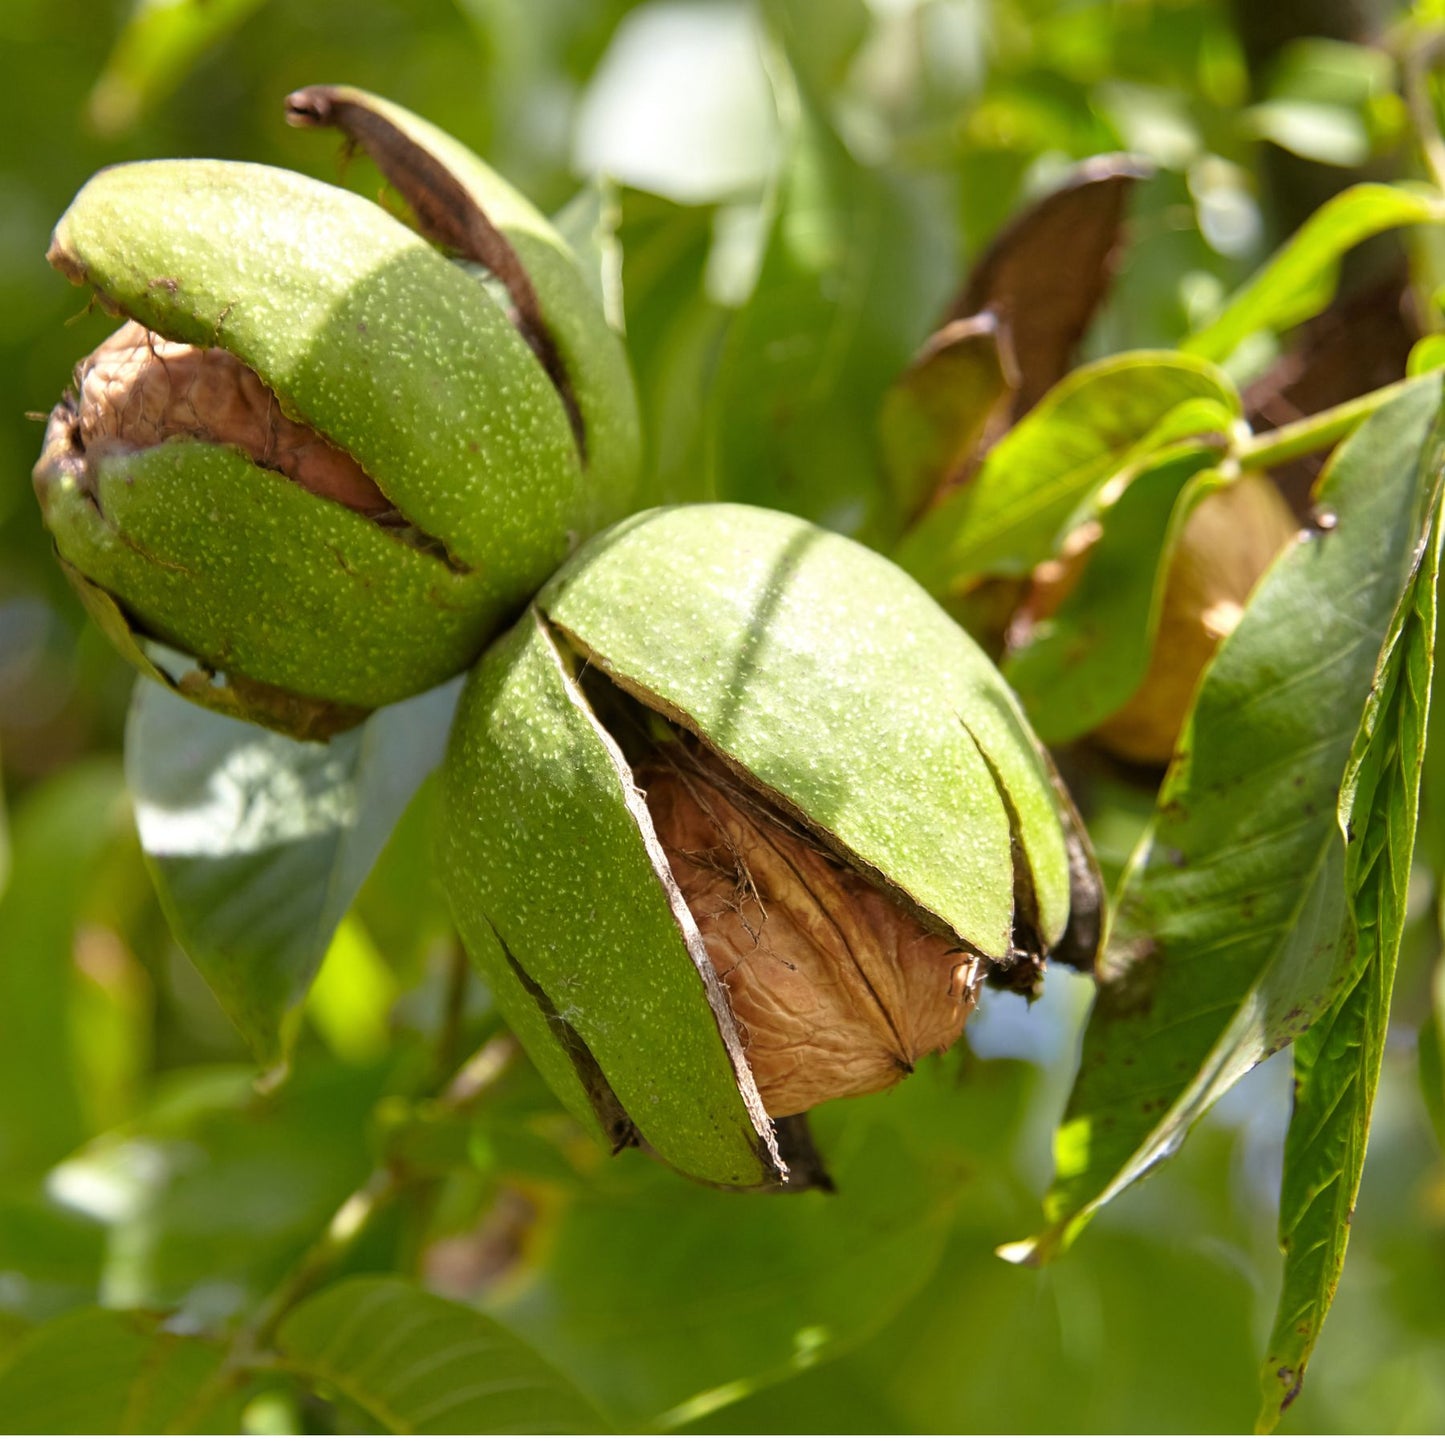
329 454
735 821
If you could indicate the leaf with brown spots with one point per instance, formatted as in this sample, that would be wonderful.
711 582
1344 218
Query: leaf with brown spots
1249 811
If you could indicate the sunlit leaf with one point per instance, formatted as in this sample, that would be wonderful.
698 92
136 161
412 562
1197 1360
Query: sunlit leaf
1337 1063
1084 663
258 843
1105 419
419 1365
1299 279
1334 135
1225 945
1427 354
352 996
107 1373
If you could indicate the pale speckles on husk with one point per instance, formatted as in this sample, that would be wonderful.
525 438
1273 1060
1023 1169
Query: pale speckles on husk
892 830
322 460
836 990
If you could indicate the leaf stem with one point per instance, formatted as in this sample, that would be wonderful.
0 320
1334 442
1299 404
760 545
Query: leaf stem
466 1088
344 1229
1419 61
471 1082
1313 433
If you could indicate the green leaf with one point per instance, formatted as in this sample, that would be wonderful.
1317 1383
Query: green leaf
1337 1063
1085 662
1432 1057
107 1373
673 330
666 1301
1228 920
58 834
934 416
13 1329
258 843
1101 421
821 37
1427 354
50 1257
161 41
422 1365
850 281
215 1193
1334 135
4 842
588 224
1298 281
1333 71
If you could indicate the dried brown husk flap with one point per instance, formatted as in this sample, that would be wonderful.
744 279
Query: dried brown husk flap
446 213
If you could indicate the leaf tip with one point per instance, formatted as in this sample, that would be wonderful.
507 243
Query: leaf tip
1031 1252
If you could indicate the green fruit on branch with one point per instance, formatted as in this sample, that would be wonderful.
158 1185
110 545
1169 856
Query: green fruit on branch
736 820
330 454
1228 543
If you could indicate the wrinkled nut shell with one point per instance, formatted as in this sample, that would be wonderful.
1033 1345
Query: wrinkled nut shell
836 991
138 390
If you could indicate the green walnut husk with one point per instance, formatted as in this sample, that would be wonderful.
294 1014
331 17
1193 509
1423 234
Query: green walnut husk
472 413
735 786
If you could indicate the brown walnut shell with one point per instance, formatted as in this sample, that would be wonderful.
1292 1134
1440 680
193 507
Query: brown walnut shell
837 990
137 390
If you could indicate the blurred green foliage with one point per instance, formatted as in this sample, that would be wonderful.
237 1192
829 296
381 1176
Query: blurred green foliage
788 237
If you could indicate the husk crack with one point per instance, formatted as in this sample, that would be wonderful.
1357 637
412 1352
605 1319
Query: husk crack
836 990
139 390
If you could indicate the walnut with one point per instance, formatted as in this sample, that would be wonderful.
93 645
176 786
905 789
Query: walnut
837 991
137 389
